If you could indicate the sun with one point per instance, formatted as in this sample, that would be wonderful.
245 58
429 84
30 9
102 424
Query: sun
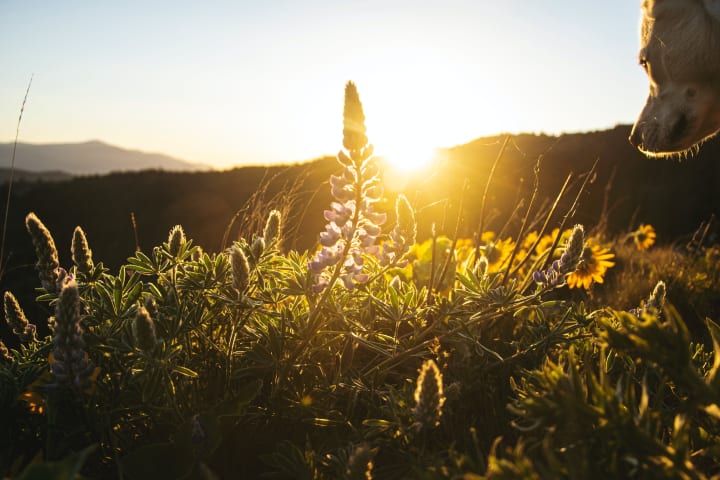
406 159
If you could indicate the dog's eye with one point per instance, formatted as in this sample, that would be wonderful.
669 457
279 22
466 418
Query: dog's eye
643 62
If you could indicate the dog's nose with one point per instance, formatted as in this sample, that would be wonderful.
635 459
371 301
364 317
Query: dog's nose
636 136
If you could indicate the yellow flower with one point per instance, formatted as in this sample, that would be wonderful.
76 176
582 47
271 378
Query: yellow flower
595 262
497 253
547 240
644 237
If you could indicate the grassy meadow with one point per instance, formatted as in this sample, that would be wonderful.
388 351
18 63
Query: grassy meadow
391 348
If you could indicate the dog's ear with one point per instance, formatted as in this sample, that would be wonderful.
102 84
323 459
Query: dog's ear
713 8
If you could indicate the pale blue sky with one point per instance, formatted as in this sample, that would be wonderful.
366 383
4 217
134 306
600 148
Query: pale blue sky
236 82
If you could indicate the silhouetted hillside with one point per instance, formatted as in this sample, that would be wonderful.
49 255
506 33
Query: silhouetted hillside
674 196
89 158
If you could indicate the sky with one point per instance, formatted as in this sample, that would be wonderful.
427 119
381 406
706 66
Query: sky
261 82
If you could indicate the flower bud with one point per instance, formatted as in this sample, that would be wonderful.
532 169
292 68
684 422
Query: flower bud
81 253
17 320
48 265
240 269
429 397
176 239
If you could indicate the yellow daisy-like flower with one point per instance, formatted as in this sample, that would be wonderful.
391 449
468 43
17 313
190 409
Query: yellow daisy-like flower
644 237
497 253
547 240
595 262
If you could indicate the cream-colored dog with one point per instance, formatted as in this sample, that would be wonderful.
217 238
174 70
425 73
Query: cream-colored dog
680 51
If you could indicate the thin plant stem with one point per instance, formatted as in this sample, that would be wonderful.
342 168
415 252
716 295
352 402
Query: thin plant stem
12 176
483 203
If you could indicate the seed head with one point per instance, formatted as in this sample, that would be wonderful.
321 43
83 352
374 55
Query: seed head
81 253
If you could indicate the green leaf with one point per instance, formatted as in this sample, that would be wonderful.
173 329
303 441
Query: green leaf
185 371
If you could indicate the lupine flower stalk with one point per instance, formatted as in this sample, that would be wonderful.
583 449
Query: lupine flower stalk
240 269
81 253
144 330
656 299
176 239
4 352
71 365
353 225
402 237
257 248
48 266
429 396
566 264
17 320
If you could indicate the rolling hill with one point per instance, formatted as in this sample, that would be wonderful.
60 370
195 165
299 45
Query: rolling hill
88 158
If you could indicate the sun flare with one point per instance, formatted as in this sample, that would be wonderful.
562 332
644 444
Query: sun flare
407 160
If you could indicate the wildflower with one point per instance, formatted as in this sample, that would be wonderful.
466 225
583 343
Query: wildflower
429 397
81 253
353 224
402 236
655 301
271 232
70 364
354 138
176 239
497 253
144 330
568 262
644 237
240 269
17 320
257 248
48 266
547 240
4 352
596 260
657 297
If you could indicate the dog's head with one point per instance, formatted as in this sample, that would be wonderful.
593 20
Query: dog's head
680 51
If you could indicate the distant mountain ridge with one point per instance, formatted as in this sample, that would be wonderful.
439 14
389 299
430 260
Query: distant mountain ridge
89 158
